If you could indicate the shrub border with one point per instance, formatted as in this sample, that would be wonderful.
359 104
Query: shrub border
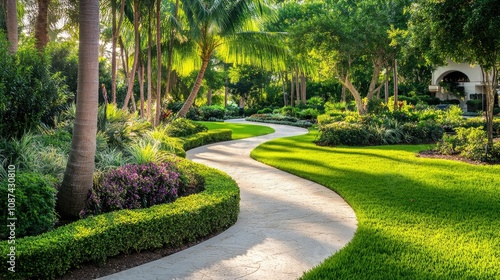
205 138
299 123
94 239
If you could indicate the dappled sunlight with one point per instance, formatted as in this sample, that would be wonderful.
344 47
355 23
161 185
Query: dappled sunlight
439 210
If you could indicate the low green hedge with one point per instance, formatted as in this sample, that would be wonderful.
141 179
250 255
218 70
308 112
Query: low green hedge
204 138
299 123
94 239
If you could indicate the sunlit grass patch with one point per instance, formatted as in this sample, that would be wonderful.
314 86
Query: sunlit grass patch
240 131
418 218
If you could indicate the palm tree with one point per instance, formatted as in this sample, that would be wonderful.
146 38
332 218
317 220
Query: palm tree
41 24
79 171
11 8
224 25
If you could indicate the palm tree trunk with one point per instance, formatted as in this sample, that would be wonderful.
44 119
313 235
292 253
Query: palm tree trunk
158 58
115 30
297 88
41 32
170 54
150 71
78 176
292 88
12 35
136 55
141 90
194 92
303 88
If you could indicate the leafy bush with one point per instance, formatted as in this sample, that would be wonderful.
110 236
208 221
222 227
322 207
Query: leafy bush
468 142
309 114
214 111
35 203
289 111
182 127
343 133
133 186
265 111
96 238
29 93
474 105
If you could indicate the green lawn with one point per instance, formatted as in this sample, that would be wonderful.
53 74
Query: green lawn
418 218
240 131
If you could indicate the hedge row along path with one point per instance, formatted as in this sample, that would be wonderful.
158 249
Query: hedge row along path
287 225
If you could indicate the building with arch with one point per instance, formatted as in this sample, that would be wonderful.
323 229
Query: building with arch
458 81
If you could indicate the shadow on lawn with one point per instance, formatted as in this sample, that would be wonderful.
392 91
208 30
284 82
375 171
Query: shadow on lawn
451 212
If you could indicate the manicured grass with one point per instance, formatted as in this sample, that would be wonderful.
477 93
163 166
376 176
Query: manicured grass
240 131
418 218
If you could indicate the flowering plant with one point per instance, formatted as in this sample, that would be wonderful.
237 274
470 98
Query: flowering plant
133 186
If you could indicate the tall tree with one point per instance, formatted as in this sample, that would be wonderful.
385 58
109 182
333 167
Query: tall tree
115 30
12 25
464 31
78 176
214 24
137 45
41 25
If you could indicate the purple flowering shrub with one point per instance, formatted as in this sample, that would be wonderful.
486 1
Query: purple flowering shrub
133 186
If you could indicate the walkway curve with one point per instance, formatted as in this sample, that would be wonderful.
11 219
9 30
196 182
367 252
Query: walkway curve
286 226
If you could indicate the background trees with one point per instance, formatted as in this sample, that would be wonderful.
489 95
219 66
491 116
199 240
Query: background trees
463 31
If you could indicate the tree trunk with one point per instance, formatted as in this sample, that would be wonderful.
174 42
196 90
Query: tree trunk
141 90
130 85
170 54
283 85
209 97
115 29
150 71
373 88
357 97
303 88
158 66
292 88
226 91
297 88
396 85
489 79
78 176
12 26
41 23
342 94
386 87
192 96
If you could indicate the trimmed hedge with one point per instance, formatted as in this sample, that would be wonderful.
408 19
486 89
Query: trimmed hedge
95 239
204 138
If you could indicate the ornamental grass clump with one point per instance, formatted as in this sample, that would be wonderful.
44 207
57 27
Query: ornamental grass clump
133 186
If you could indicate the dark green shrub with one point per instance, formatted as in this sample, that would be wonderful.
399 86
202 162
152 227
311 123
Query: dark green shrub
289 111
468 142
474 105
214 111
309 114
29 93
34 204
422 132
343 133
182 127
265 111
204 138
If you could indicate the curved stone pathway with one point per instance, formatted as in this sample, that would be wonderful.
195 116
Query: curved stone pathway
286 226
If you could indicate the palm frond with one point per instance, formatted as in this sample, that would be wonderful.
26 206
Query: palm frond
264 49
